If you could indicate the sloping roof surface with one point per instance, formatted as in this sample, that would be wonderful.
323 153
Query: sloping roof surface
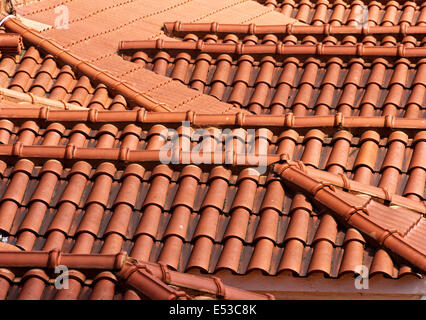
98 26
332 110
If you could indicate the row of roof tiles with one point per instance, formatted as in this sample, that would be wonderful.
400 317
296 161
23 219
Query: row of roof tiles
398 152
41 76
242 192
180 29
170 228
268 83
351 12
29 276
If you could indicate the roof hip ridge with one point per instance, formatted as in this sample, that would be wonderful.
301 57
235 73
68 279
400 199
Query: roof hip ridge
354 216
84 67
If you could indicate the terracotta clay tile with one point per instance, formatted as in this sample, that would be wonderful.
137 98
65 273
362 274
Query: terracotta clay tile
183 203
33 288
81 91
302 100
106 136
337 161
325 99
382 264
6 128
143 245
241 80
100 98
303 12
103 178
153 204
375 81
78 135
284 84
313 144
201 69
353 234
39 202
390 13
237 226
25 71
14 193
140 58
274 196
104 286
216 193
63 83
247 180
201 253
161 61
320 15
53 134
352 81
298 225
73 292
287 8
7 69
171 251
327 229
392 164
292 256
352 257
160 178
78 175
337 16
417 172
267 228
157 136
27 132
119 103
130 136
185 229
6 277
263 83
321 258
300 202
230 255
41 84
132 178
366 157
221 76
261 258
421 19
181 65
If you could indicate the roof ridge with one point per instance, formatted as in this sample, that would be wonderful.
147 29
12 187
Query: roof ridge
279 49
179 28
97 76
342 181
242 119
353 215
